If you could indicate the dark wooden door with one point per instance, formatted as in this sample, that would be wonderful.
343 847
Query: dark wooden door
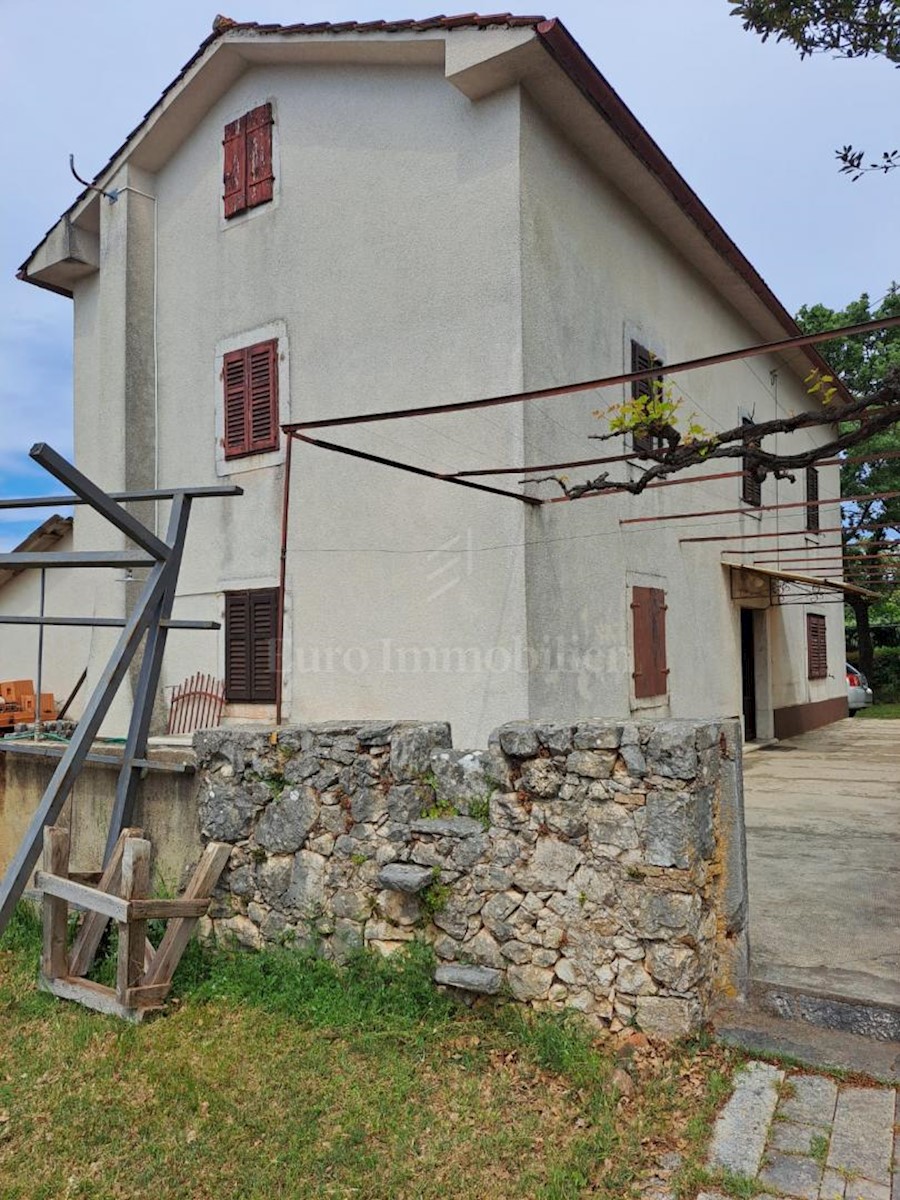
748 674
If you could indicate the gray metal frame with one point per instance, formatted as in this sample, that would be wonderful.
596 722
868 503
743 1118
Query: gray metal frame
148 623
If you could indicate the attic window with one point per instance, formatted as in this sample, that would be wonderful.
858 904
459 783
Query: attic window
751 484
812 500
248 176
643 359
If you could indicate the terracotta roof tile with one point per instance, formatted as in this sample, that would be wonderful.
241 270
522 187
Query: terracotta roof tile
418 25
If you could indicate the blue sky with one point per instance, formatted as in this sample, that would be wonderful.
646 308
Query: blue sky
751 128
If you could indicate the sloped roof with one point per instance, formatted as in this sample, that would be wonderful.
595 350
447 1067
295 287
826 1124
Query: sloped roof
45 537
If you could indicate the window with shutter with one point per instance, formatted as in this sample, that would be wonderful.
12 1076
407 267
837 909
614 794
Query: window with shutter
812 495
251 631
643 360
816 646
251 399
248 176
650 674
751 485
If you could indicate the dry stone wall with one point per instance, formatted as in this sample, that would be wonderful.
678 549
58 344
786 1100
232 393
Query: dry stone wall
596 865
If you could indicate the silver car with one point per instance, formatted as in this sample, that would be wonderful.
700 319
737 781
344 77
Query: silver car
859 694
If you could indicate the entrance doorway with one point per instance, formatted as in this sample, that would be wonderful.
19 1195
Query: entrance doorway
748 674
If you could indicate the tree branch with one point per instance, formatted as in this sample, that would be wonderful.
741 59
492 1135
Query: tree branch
858 420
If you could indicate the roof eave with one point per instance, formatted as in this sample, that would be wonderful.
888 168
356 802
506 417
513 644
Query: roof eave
45 536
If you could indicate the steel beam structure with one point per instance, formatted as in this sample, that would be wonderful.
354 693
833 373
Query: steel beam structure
148 623
104 622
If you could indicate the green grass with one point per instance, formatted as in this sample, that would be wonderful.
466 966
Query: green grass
880 712
278 1075
818 1148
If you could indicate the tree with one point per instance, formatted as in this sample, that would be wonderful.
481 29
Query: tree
871 528
844 28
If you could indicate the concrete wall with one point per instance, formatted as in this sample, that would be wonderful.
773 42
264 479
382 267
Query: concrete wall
598 866
595 275
166 810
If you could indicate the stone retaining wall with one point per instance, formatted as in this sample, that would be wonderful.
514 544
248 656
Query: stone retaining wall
597 865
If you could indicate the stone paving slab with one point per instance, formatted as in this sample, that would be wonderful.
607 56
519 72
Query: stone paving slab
739 1137
808 1138
862 1139
796 1139
791 1175
812 1102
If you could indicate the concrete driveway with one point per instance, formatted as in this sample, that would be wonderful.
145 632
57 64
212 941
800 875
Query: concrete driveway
823 844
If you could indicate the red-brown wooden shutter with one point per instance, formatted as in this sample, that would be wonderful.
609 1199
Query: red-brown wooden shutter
260 176
234 367
237 646
234 181
658 640
264 624
251 399
251 629
816 646
648 607
262 408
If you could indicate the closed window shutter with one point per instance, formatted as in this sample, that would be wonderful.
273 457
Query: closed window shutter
658 640
812 496
234 368
816 646
260 176
264 624
234 181
262 409
237 646
251 399
648 607
251 631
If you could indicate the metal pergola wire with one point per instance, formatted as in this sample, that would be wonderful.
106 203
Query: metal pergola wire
302 431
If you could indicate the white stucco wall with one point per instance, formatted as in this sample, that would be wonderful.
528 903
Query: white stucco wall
596 275
65 648
390 259
421 248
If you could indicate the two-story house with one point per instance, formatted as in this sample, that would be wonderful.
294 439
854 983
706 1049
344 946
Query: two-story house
319 220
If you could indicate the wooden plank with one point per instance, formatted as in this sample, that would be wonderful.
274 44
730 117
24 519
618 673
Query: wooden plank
165 910
132 933
83 896
178 934
93 926
91 995
55 910
141 997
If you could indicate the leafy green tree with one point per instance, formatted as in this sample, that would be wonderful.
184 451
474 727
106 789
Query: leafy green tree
844 28
873 526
